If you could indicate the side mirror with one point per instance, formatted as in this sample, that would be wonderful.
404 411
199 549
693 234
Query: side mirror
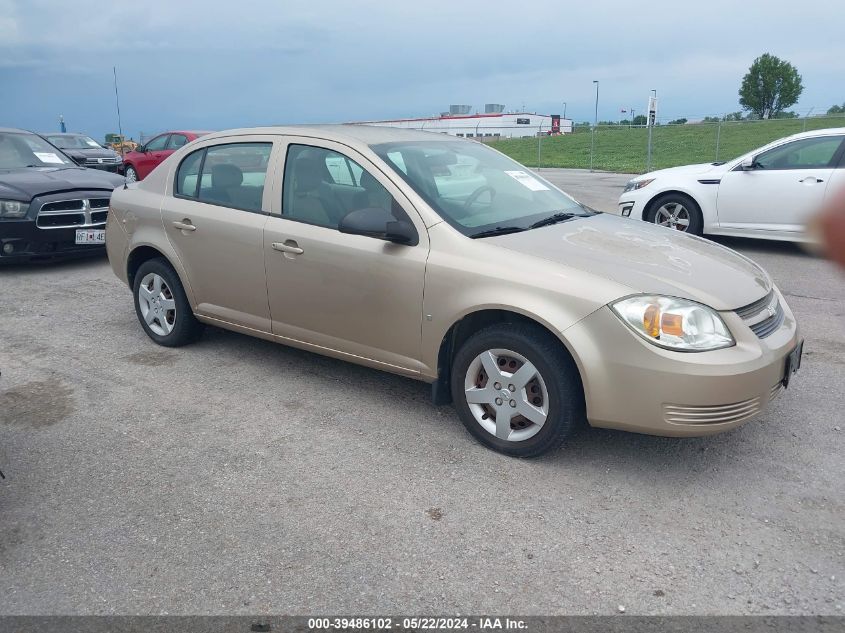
380 224
748 164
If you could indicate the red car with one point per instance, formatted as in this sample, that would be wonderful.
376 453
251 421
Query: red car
143 160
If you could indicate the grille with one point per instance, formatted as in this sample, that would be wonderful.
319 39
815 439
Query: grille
102 161
63 205
775 391
85 212
717 414
770 324
764 316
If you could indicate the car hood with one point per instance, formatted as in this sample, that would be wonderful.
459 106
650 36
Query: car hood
686 170
648 259
25 184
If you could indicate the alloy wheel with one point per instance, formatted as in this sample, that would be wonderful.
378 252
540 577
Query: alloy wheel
673 215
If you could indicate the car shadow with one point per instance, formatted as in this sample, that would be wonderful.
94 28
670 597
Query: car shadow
589 448
750 245
64 262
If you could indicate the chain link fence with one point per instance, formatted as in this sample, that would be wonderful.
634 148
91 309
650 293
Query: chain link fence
624 148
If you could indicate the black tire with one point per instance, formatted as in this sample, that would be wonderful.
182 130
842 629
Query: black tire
186 328
566 411
133 177
696 220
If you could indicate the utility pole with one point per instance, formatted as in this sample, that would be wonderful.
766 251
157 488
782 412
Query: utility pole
595 125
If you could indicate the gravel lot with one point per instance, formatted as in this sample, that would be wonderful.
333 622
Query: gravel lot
239 476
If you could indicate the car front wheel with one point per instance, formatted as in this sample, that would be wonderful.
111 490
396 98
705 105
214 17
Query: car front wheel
131 175
517 390
676 211
162 306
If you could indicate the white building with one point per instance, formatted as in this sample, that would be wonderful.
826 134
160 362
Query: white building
485 126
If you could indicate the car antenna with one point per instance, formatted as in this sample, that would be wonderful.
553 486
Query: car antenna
119 126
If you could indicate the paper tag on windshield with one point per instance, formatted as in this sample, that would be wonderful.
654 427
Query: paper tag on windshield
48 157
93 143
527 180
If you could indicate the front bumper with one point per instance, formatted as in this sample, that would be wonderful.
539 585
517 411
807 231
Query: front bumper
631 205
22 240
115 168
632 385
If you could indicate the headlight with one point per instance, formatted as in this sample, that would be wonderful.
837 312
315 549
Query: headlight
674 323
13 209
633 185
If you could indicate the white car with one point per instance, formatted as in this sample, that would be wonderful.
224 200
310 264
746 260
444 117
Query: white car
769 193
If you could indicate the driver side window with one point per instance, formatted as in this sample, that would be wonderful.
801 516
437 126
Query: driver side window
158 143
321 186
808 153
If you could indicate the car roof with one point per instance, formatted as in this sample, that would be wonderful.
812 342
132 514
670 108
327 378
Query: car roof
342 132
820 132
14 130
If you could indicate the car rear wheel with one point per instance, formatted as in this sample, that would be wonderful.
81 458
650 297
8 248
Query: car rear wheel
162 306
676 211
517 390
131 174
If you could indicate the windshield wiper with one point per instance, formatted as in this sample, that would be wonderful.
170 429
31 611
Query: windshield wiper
499 230
553 219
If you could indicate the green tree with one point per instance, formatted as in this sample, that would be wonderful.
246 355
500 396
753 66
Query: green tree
836 109
770 86
678 122
640 119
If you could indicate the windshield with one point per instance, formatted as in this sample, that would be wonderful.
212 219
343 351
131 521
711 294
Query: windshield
74 142
475 188
28 150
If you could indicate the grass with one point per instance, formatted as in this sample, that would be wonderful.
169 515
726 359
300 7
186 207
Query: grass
623 149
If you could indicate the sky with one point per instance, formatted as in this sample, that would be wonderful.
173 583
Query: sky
186 64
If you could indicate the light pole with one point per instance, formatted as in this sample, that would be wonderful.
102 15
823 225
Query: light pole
595 125
632 118
564 110
650 124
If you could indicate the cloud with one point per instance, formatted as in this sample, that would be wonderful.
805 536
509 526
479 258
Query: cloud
219 64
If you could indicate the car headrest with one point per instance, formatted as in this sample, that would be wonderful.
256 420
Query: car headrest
226 176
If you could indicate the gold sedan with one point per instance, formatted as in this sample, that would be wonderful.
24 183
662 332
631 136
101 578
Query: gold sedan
443 260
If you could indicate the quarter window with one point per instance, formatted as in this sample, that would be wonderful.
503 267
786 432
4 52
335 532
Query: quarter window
158 143
186 176
808 153
321 186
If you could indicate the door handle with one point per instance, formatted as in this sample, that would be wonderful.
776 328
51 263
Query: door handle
811 179
287 248
185 225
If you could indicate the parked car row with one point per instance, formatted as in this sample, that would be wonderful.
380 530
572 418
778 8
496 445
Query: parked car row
435 258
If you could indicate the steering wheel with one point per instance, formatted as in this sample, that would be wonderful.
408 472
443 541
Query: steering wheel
474 195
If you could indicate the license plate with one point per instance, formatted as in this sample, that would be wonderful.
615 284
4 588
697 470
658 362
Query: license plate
793 363
90 237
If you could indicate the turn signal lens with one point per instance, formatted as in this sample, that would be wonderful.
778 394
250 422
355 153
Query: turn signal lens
674 323
651 321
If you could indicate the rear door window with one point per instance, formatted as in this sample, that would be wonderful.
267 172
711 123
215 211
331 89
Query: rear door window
232 175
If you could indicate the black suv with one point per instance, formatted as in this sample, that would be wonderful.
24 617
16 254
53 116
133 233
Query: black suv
49 206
